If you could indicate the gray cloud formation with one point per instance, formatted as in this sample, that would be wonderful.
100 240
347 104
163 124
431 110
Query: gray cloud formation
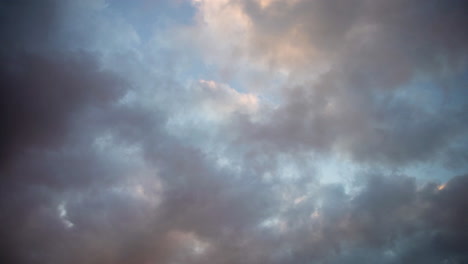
394 88
91 174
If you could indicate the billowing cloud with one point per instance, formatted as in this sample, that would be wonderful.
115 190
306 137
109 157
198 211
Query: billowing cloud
204 137
378 67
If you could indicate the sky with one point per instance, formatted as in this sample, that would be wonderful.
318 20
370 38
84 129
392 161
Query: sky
234 131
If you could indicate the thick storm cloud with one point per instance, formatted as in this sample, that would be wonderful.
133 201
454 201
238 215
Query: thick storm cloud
233 131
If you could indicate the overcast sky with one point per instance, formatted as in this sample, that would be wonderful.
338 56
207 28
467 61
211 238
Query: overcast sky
234 131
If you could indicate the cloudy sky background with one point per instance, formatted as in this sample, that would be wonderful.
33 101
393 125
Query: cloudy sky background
234 131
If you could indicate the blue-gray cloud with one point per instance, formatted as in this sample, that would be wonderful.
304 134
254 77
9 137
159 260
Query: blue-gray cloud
108 154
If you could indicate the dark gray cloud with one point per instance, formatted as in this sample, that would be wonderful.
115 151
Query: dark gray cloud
46 149
42 94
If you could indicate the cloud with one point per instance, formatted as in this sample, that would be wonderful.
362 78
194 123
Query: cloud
362 98
40 95
108 154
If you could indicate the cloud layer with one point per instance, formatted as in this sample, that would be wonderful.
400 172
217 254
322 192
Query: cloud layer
212 131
